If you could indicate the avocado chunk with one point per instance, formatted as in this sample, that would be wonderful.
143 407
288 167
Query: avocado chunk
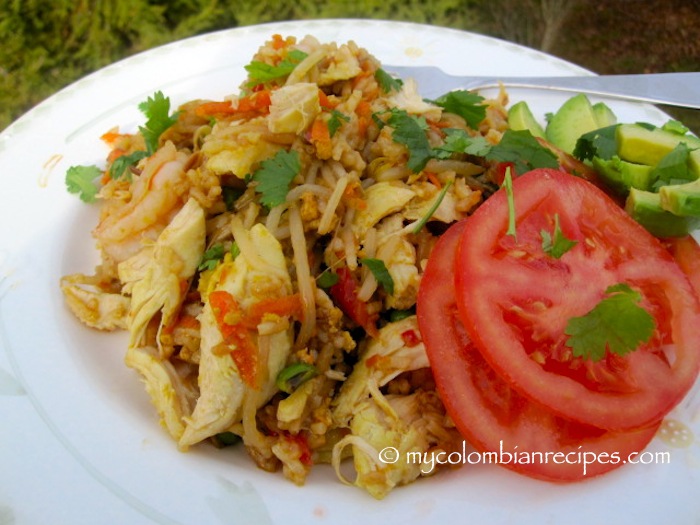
645 208
520 118
574 118
642 144
620 175
681 199
694 161
604 116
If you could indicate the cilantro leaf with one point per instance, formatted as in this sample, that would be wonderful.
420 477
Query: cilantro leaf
673 168
387 82
399 315
235 250
380 272
81 180
211 257
275 175
336 120
120 166
616 324
327 279
410 131
675 126
599 143
260 72
508 185
521 148
466 104
556 244
156 109
215 254
459 141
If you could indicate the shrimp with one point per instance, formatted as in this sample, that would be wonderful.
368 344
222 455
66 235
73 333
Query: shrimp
157 194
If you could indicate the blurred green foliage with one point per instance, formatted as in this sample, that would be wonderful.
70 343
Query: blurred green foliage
47 44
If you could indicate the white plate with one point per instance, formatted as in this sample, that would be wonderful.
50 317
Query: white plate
79 440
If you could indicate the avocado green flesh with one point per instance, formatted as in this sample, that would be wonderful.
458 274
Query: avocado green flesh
620 175
640 145
574 118
631 167
604 116
681 199
520 118
645 208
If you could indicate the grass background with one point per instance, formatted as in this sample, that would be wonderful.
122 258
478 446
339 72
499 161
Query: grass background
47 44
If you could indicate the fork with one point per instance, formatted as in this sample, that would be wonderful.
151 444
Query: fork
672 89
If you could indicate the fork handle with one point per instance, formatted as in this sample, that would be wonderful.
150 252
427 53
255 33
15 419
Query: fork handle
672 89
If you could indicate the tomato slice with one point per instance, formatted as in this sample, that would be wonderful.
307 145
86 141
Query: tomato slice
515 301
487 412
344 294
686 252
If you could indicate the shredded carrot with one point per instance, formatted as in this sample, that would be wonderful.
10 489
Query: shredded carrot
236 336
364 113
187 321
278 42
360 77
236 325
320 136
378 361
324 101
110 136
225 307
439 125
245 355
115 154
289 305
362 125
257 102
353 196
363 109
434 179
320 131
212 108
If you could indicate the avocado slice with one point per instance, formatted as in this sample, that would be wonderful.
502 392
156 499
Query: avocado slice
604 116
645 208
620 175
642 144
681 199
520 118
574 118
